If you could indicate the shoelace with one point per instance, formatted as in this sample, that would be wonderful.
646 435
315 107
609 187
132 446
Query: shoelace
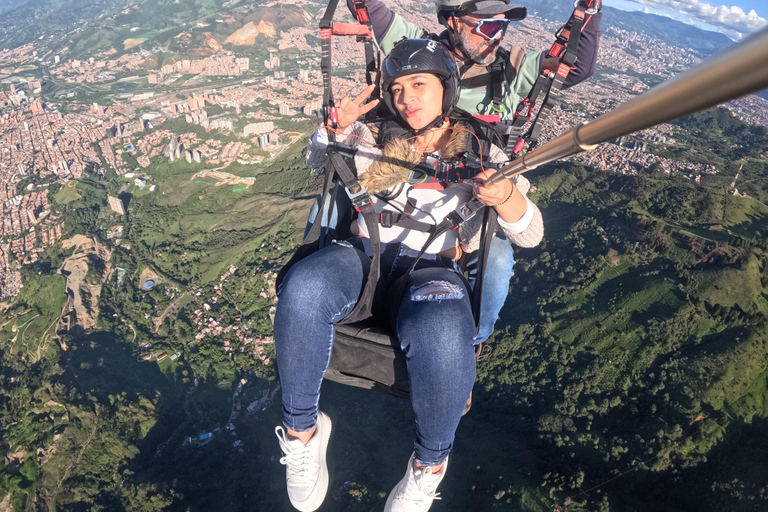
482 351
297 459
417 493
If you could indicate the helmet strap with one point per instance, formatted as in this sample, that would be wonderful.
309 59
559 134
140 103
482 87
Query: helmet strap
454 31
437 123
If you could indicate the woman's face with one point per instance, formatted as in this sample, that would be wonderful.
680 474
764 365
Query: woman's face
418 98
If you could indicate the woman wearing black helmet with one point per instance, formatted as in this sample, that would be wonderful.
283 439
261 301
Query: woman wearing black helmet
432 316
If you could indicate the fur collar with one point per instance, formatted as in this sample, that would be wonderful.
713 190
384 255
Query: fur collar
398 159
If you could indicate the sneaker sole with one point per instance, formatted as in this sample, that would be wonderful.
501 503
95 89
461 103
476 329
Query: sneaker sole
388 505
325 426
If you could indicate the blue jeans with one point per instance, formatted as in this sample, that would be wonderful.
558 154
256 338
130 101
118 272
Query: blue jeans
498 271
433 322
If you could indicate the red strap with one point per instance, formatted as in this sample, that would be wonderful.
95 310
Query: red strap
563 70
348 29
431 185
325 33
488 118
556 49
362 16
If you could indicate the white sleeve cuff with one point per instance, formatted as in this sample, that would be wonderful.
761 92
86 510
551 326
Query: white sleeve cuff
513 228
320 137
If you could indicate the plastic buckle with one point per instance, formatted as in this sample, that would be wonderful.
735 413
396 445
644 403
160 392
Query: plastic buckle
519 146
443 172
587 10
385 219
460 215
359 198
506 126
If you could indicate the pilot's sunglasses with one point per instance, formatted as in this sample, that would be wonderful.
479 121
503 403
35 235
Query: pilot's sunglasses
489 28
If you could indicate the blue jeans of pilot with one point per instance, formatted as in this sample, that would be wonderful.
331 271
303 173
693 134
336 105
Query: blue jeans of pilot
434 325
498 271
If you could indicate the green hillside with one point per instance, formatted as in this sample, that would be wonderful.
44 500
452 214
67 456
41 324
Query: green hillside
630 365
628 370
635 343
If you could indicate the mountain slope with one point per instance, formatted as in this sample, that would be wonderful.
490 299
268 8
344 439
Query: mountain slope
668 30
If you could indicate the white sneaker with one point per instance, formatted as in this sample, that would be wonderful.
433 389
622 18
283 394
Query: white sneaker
306 471
417 489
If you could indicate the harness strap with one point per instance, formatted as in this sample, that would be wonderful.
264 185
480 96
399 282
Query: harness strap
490 218
326 67
363 33
362 203
497 82
573 30
372 55
566 48
388 219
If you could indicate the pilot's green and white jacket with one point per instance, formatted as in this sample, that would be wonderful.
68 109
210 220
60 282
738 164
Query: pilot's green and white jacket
476 96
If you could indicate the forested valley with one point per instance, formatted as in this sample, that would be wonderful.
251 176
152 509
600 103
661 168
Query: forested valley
628 372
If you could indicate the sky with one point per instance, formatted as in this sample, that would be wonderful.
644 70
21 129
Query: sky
736 20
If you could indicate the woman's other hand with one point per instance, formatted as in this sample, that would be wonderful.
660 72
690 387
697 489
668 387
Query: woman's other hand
492 194
349 110
510 204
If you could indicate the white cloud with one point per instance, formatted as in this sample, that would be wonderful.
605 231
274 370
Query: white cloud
730 19
733 34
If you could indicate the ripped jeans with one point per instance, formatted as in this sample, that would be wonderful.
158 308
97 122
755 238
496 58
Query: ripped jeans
433 321
498 271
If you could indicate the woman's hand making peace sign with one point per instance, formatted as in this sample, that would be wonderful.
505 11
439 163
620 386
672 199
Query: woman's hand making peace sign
349 110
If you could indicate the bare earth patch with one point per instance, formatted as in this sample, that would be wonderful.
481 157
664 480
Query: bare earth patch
130 43
247 34
5 505
147 275
81 313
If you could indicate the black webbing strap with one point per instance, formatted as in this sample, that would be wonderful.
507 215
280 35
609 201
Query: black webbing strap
566 48
514 128
452 221
362 203
326 67
568 59
337 168
389 219
490 218
497 82
445 172
372 56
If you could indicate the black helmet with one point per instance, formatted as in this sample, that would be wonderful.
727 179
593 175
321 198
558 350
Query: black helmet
411 56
